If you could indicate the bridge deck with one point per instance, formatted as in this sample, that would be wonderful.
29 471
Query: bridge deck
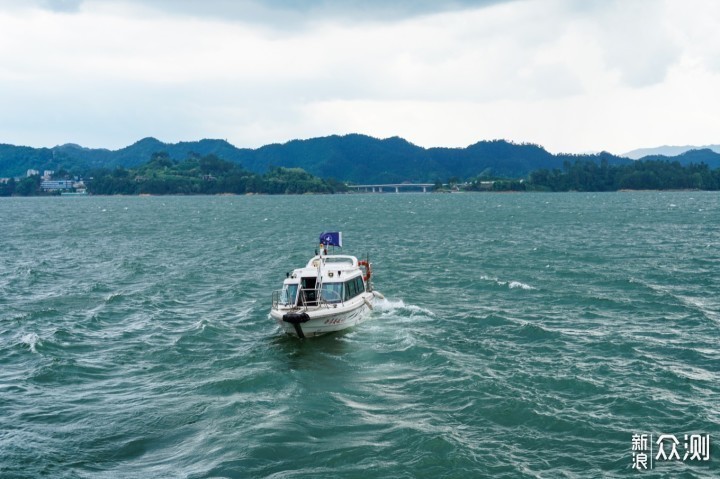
380 188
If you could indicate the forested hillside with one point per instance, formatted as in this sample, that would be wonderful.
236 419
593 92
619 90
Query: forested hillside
197 175
353 158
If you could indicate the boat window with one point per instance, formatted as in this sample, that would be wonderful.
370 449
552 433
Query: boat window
360 285
289 294
352 289
332 292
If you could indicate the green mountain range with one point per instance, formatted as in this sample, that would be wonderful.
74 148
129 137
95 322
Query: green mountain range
354 158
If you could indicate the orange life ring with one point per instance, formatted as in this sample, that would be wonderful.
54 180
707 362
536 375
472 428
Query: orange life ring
368 269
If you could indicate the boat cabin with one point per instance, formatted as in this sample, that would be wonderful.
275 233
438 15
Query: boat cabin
332 279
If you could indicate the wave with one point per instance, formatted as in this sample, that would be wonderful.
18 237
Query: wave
518 284
31 340
392 305
114 298
700 305
509 284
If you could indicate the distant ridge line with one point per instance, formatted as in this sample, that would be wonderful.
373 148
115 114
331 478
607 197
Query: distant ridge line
354 158
667 150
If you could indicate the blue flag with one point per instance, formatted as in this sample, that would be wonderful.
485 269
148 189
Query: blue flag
331 238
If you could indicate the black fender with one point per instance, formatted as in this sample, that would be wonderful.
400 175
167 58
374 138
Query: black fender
296 318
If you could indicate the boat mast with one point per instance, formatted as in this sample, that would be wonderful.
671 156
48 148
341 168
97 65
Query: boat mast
318 280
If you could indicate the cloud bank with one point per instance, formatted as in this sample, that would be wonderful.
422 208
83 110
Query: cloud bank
570 76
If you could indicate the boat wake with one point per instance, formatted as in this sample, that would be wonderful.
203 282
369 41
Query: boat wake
399 306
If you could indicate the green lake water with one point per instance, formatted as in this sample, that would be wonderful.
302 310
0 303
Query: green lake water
522 336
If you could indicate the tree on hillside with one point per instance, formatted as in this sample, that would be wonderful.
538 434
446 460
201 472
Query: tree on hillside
160 159
28 186
212 165
8 188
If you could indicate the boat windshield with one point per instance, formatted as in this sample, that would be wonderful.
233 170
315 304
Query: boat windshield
289 294
332 292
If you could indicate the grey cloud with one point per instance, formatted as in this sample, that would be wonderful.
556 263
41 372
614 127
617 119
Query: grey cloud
280 11
61 5
374 8
353 7
642 51
65 6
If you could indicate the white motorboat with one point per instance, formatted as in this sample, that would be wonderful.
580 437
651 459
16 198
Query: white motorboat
332 292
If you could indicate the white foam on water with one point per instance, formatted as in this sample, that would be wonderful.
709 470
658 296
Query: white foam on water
112 297
509 284
391 305
388 305
518 284
31 340
703 306
700 305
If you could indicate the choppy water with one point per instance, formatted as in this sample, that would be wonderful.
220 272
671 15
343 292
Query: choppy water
526 335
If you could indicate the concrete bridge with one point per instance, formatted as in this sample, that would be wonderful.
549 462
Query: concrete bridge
424 187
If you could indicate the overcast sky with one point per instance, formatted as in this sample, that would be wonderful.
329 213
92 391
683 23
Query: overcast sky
572 76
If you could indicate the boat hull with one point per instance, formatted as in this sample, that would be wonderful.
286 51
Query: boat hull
324 320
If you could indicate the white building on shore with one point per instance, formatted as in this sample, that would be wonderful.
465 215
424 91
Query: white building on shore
57 185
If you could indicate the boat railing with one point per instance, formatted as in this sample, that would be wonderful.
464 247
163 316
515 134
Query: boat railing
311 298
277 299
307 298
